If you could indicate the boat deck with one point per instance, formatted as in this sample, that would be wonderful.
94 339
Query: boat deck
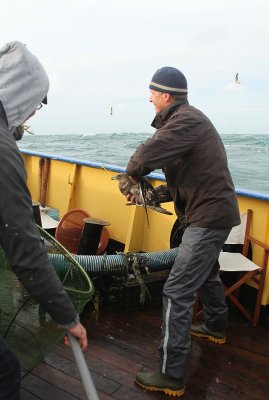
121 343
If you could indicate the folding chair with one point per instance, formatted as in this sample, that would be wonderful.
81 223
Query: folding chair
247 270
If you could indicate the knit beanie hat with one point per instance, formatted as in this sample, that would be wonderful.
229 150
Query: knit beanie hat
169 80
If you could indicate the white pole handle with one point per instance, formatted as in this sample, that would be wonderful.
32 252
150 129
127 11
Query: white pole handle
83 368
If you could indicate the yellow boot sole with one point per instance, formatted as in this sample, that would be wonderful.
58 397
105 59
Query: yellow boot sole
209 337
169 392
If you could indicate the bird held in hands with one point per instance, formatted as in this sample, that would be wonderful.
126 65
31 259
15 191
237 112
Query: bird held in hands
142 192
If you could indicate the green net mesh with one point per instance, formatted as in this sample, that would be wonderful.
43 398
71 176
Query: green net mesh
24 325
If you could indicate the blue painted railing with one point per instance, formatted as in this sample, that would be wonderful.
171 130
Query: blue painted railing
111 167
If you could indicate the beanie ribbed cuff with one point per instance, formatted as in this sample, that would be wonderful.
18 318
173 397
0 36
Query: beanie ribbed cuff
166 89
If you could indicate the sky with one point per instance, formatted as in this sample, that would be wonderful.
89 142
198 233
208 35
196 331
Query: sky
103 53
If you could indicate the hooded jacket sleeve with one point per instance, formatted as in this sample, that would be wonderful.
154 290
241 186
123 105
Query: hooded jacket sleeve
20 238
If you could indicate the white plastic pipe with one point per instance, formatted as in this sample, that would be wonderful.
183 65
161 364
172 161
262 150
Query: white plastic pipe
83 369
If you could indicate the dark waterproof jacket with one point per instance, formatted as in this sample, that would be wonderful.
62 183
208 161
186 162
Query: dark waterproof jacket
20 238
23 86
189 150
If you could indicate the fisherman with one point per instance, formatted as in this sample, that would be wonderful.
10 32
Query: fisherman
23 89
187 147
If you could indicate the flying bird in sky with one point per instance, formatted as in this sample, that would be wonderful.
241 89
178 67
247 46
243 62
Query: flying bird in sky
237 78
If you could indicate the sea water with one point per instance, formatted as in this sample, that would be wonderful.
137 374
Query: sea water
248 155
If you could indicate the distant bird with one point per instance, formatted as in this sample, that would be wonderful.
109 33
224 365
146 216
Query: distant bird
111 110
237 79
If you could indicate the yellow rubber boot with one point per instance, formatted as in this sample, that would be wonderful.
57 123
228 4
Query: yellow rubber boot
158 382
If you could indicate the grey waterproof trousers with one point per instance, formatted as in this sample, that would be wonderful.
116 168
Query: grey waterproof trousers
195 268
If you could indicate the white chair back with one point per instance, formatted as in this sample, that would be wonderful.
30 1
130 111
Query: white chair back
237 234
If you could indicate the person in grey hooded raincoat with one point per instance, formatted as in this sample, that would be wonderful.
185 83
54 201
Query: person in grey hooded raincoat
24 86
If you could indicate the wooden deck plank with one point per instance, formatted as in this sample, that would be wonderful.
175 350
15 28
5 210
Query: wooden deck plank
223 358
60 380
25 395
112 367
224 382
45 390
65 382
107 385
120 344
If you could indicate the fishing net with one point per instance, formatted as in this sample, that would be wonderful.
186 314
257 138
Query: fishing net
24 324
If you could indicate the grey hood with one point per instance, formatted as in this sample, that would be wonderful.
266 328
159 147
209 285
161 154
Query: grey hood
23 83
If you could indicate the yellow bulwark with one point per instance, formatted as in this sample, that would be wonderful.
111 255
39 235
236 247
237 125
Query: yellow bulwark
65 184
